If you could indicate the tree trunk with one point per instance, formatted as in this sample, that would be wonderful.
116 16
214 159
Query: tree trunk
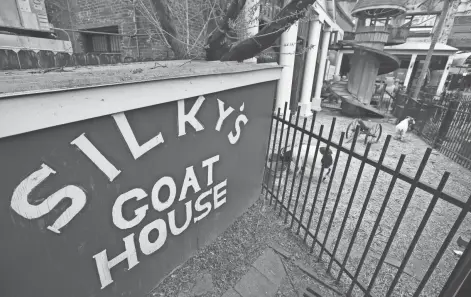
436 34
250 47
221 35
220 43
162 11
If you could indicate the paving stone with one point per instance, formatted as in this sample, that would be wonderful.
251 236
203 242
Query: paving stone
280 250
231 293
203 285
255 284
463 241
393 262
312 274
313 292
416 268
270 265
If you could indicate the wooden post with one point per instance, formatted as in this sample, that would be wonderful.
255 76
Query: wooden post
316 101
299 65
444 75
287 55
310 66
251 14
428 58
446 123
409 71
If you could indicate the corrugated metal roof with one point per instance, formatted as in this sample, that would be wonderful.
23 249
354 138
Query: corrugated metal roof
365 8
461 59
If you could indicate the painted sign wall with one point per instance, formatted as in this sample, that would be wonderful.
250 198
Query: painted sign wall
28 14
9 16
109 206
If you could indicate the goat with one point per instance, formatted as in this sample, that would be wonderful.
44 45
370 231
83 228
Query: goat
403 127
323 161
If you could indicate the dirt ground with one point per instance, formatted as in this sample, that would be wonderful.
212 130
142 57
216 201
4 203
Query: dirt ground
437 228
231 255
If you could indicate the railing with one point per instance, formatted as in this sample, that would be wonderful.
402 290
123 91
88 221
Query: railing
382 99
398 35
349 35
346 221
445 124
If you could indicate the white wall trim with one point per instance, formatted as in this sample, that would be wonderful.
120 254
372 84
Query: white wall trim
17 43
408 52
33 111
325 18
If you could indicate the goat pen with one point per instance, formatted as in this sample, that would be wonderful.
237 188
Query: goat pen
367 215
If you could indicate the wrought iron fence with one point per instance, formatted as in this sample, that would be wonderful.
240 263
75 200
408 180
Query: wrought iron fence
348 241
445 124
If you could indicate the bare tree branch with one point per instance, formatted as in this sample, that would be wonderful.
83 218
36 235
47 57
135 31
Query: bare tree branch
221 35
161 8
250 47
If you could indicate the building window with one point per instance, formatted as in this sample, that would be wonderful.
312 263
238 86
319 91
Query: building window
103 43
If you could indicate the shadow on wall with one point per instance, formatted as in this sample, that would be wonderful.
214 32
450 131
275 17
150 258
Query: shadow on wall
29 59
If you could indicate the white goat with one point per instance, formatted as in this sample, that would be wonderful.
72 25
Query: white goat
403 127
324 159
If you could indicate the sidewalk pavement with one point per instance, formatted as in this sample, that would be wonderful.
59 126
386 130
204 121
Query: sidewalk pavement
262 280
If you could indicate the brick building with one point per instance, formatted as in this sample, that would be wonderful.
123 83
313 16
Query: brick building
128 27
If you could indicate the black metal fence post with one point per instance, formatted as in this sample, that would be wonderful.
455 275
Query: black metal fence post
285 197
445 124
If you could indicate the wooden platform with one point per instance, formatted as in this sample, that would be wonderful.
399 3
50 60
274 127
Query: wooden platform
350 105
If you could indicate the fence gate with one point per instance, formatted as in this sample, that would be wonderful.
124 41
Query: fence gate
446 125
370 224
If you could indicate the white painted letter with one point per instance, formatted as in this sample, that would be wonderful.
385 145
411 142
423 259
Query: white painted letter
136 150
104 265
20 204
96 157
205 206
209 163
220 197
234 137
148 247
172 223
223 114
190 117
156 202
117 211
189 181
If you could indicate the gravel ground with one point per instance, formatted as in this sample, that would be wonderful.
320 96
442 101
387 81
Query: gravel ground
437 228
231 255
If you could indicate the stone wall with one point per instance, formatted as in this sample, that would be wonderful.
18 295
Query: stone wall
141 38
28 59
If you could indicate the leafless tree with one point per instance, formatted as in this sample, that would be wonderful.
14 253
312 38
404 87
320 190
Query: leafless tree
222 33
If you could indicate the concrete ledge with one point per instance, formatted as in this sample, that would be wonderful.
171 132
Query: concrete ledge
111 90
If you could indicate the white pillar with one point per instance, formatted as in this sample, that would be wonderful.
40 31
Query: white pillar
316 101
338 62
287 55
441 84
251 13
315 27
339 57
327 68
409 70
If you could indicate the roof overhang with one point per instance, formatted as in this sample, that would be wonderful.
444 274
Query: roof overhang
411 48
462 60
